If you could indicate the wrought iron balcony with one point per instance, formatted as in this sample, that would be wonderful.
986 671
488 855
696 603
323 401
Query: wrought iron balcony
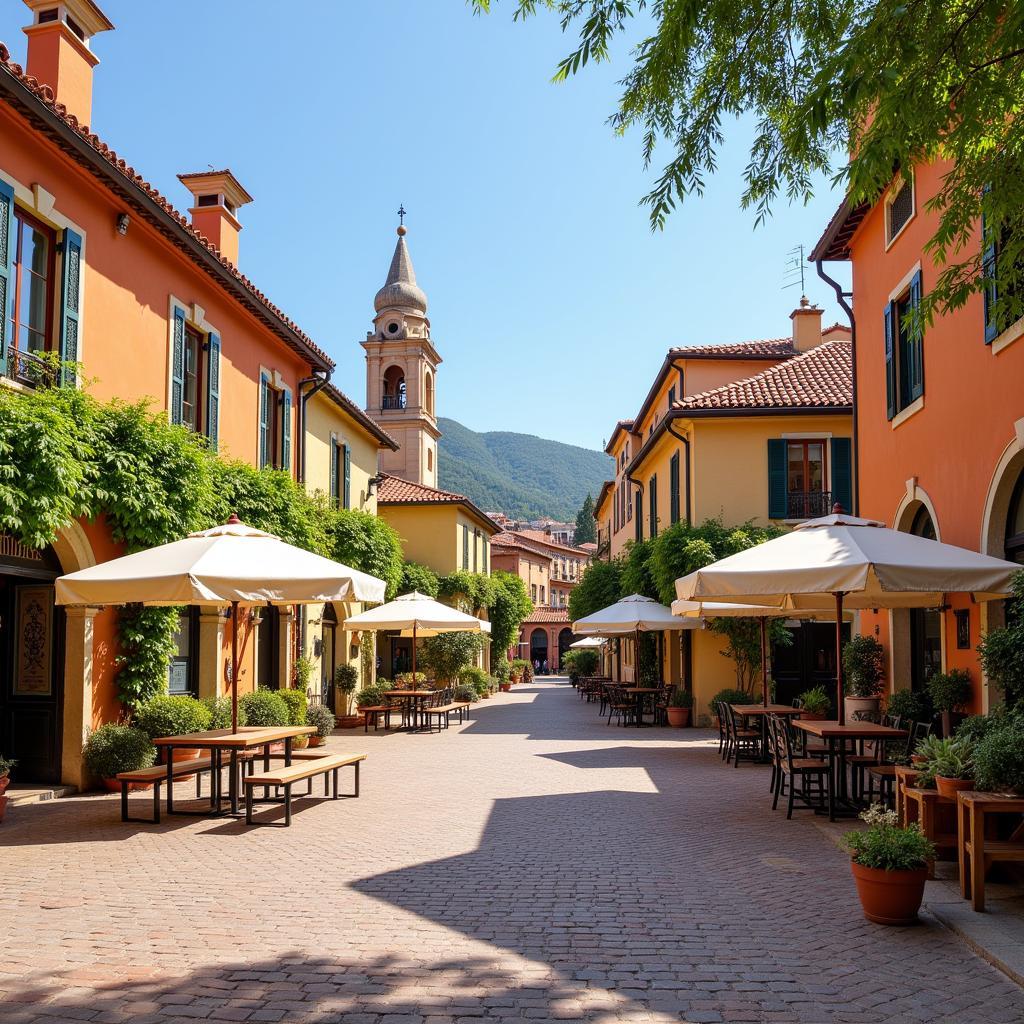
29 369
393 402
808 504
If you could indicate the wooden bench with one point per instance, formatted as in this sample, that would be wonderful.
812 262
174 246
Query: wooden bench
976 851
443 711
156 777
287 775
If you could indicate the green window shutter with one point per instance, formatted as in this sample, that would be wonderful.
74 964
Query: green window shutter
653 506
673 478
778 484
213 391
639 526
465 548
989 263
286 429
70 302
334 470
915 346
890 360
177 365
347 454
842 472
264 420
6 267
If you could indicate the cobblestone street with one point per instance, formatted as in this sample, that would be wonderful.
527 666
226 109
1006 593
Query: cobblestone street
534 864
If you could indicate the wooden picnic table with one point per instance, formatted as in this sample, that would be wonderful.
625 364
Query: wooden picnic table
217 741
638 693
975 852
413 701
836 736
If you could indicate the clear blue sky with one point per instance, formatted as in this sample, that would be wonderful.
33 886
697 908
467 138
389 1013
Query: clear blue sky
551 301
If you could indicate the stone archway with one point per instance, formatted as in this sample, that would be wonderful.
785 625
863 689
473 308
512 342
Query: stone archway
565 638
539 645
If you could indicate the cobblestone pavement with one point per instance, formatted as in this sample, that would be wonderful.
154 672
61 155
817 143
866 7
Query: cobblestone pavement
534 864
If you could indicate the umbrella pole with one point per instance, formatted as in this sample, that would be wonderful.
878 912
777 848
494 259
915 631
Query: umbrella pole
841 704
414 654
234 666
764 661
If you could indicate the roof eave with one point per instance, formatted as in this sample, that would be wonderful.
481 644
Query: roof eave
834 243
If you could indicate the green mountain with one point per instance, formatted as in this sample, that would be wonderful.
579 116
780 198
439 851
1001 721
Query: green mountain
521 475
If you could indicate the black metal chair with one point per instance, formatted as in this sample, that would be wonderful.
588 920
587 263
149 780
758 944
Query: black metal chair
620 706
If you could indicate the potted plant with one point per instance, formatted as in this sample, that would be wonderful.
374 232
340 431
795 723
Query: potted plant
111 749
264 708
815 704
950 692
999 757
302 672
174 715
952 764
6 765
864 671
346 682
220 712
680 702
909 706
322 719
298 705
889 865
501 673
926 751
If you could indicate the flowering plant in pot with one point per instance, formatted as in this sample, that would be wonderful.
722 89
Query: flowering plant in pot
889 865
815 704
112 749
346 682
863 674
680 702
952 763
322 719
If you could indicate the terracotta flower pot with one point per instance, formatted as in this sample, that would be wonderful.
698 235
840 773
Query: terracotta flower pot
3 807
5 781
351 721
300 742
950 787
889 897
678 717
316 741
812 716
504 687
918 758
854 704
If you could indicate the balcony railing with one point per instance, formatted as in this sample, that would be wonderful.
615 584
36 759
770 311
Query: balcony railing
29 369
393 402
808 504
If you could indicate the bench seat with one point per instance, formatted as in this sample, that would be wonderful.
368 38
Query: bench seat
156 777
286 776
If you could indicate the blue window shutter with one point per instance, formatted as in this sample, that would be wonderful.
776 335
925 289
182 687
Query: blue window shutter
334 470
70 302
286 429
347 452
674 488
842 472
778 484
177 365
6 268
213 391
264 420
915 346
890 360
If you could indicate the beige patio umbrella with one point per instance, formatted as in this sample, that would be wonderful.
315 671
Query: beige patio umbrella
587 642
861 563
229 565
417 615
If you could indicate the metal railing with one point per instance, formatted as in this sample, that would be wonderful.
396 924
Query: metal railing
393 402
29 369
808 504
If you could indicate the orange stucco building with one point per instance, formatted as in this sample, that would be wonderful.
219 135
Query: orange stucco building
97 268
940 430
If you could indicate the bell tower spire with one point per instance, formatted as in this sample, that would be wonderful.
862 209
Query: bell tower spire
401 369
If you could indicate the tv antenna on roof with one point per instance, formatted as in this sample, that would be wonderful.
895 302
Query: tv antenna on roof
793 275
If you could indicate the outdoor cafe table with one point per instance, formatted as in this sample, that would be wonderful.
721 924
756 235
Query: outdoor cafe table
762 711
413 702
639 692
836 735
217 741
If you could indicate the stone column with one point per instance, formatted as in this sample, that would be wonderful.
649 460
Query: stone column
211 653
78 681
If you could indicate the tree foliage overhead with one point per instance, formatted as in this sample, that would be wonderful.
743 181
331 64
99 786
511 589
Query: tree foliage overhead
586 528
510 605
599 586
898 84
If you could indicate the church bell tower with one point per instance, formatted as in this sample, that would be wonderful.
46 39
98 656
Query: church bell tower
401 371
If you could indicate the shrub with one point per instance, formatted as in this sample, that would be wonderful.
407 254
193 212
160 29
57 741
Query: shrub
729 696
586 661
464 691
297 703
370 696
816 701
680 698
863 666
950 691
502 670
168 715
346 681
910 706
112 749
999 757
7 765
408 679
264 708
977 727
477 678
886 846
303 672
220 712
448 653
523 667
1002 650
321 718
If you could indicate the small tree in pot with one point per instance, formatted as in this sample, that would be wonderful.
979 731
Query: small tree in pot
346 682
677 711
950 692
863 671
322 719
112 749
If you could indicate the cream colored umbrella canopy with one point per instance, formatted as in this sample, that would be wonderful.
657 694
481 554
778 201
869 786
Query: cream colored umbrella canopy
633 614
860 562
229 565
587 642
417 615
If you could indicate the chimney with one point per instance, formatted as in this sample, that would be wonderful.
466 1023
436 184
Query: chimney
806 325
216 197
59 50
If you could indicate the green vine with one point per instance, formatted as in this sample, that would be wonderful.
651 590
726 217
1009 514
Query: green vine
146 645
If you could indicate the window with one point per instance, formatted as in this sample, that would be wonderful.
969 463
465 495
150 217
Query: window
182 670
996 320
341 473
672 396
195 378
798 477
542 593
533 592
190 414
904 349
394 388
275 425
653 505
638 528
673 495
32 276
899 208
465 548
925 623
805 480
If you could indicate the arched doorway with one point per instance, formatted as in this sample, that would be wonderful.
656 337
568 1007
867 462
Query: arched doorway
1013 545
565 638
539 646
394 388
328 654
925 623
31 661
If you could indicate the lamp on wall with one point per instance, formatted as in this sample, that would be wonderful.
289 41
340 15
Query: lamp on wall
123 220
373 483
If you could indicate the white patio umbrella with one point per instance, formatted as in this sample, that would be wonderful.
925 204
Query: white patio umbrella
229 565
860 562
417 615
587 642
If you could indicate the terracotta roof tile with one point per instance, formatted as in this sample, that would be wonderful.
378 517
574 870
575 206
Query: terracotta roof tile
540 537
393 490
819 378
769 348
548 615
44 95
507 539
